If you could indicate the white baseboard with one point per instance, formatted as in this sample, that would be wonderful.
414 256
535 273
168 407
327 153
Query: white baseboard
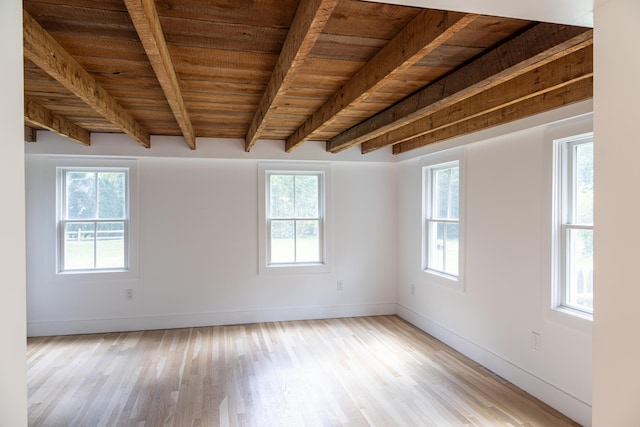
553 396
170 321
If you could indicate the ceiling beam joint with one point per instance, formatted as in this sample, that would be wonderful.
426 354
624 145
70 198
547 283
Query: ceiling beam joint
44 51
537 46
145 19
424 33
307 25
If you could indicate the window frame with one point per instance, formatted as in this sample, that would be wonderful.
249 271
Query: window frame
63 220
131 226
564 221
323 171
435 162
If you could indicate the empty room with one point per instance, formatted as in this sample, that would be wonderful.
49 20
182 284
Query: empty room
319 213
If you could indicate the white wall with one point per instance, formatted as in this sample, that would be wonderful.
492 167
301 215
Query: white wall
616 371
13 389
507 287
208 273
198 250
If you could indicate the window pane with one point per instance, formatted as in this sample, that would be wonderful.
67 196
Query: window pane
282 242
110 245
579 292
583 186
111 195
446 189
281 196
436 246
78 246
80 195
306 196
307 241
451 249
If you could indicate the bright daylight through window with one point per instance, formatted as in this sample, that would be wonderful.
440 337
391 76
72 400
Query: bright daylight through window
294 218
94 219
575 212
442 218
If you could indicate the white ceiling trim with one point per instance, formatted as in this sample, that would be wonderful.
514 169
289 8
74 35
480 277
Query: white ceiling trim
571 12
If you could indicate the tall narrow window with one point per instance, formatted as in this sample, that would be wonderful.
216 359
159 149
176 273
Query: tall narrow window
94 219
442 219
575 204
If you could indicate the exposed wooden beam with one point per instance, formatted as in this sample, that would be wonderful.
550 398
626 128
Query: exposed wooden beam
565 95
307 25
30 134
43 50
551 76
145 18
536 46
427 31
41 116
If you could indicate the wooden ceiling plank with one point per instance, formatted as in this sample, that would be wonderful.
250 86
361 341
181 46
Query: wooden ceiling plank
307 25
426 32
575 92
551 76
44 51
534 47
145 19
43 117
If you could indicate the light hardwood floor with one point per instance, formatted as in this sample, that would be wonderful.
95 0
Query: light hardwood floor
370 371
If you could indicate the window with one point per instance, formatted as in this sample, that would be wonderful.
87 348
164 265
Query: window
442 234
574 206
294 210
93 226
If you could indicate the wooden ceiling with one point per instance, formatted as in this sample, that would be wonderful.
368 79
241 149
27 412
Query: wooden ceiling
347 72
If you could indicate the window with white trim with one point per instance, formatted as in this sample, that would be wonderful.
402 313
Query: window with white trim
94 219
294 211
574 234
442 242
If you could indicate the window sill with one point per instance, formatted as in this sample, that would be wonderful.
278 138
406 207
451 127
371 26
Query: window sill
446 280
574 313
97 275
295 268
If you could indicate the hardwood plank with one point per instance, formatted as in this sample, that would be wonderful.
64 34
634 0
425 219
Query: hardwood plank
353 371
354 18
428 30
49 55
538 45
263 13
145 18
310 19
220 35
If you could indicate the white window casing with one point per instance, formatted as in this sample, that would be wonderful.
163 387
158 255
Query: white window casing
294 218
572 284
443 222
101 244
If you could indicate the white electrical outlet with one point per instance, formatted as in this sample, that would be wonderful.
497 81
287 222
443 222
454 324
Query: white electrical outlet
128 294
340 285
536 341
